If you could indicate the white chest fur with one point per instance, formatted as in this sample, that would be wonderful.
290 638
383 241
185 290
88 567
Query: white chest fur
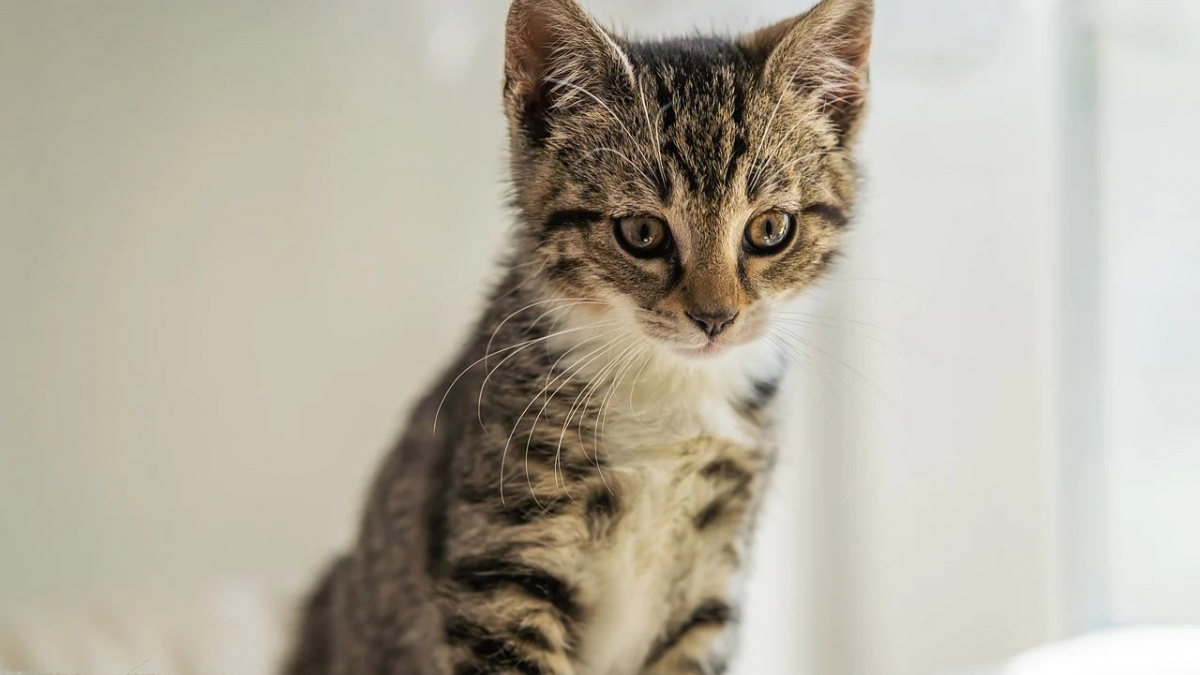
656 565
671 401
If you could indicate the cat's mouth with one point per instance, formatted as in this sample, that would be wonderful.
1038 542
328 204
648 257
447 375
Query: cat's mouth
709 350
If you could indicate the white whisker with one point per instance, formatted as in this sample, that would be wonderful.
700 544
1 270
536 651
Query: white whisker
606 403
633 389
624 157
597 382
517 425
806 322
662 171
533 428
879 390
531 305
488 376
588 390
877 327
767 129
779 170
633 139
491 354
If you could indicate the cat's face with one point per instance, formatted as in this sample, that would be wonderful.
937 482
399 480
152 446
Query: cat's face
692 185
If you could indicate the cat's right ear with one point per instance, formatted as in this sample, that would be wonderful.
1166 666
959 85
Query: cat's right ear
555 54
822 53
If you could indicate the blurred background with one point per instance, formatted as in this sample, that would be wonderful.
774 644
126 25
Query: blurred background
238 239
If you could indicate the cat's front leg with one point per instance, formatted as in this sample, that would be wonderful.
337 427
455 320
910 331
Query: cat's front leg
509 617
701 645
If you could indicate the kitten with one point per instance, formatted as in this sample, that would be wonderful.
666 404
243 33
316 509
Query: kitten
577 494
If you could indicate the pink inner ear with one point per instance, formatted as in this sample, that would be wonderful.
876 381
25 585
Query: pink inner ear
824 53
537 33
841 29
525 54
555 39
834 29
763 42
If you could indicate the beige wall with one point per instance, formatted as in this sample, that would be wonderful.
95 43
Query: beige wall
236 241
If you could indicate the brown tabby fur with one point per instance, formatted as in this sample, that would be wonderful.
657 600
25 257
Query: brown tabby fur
576 495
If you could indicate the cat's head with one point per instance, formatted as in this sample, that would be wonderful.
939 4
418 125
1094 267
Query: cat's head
690 184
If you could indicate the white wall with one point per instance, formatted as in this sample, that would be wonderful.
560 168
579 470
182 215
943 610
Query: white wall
237 241
1151 365
947 492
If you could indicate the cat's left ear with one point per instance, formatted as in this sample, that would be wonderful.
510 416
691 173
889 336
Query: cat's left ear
555 56
822 53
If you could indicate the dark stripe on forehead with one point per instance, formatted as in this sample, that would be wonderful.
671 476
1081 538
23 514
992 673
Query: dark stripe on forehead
705 139
572 218
738 117
701 87
672 151
739 102
666 103
674 92
664 120
735 155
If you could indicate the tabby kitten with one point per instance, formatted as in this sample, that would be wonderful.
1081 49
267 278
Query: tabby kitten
576 495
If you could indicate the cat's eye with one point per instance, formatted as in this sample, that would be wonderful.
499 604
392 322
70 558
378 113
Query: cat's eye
642 236
769 232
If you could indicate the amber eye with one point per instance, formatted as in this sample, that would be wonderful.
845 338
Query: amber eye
769 232
642 236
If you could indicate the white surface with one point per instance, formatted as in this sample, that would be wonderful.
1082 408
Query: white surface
1144 651
221 629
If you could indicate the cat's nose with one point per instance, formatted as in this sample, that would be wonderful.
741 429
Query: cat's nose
713 321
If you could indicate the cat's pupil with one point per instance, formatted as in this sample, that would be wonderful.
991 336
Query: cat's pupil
644 233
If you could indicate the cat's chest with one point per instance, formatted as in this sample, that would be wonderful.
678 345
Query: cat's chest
687 456
674 543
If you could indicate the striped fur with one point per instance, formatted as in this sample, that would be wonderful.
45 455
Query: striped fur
577 494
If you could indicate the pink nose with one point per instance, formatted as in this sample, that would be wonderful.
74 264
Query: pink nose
713 322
